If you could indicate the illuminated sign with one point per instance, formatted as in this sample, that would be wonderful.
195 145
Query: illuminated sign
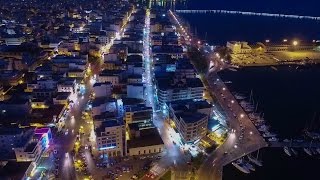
106 148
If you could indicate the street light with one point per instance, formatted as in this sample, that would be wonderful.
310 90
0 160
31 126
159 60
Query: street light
295 43
251 132
241 115
232 101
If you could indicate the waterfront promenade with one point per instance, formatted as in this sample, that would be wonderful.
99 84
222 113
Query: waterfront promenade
239 125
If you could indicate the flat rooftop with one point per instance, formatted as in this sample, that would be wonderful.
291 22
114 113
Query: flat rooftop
191 117
152 138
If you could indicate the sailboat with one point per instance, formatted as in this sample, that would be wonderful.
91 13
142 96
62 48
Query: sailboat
287 150
255 160
240 166
307 150
294 151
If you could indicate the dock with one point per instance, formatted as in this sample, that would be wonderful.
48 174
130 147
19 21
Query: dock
304 144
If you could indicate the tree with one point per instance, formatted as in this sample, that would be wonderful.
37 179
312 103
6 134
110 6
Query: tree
198 60
224 52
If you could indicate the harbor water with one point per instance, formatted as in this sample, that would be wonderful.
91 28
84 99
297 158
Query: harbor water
288 96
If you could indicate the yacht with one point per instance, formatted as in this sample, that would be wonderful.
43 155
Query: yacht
249 166
239 96
263 128
254 116
241 167
273 139
308 151
268 134
287 151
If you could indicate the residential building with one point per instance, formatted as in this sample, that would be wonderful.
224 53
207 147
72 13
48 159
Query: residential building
32 149
110 138
145 140
102 89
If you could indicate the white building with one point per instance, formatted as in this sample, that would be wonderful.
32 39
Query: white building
33 148
14 40
67 86
190 89
192 126
238 47
102 89
138 114
105 104
110 138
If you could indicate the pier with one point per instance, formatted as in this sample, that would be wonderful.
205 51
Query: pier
247 13
304 144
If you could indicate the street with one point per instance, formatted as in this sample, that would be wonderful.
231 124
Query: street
174 155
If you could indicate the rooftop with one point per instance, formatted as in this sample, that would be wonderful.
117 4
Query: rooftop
148 137
190 117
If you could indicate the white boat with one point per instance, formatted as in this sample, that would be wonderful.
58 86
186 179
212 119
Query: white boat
239 96
286 140
249 166
248 108
318 150
294 151
287 151
254 116
263 128
240 167
268 134
307 150
273 139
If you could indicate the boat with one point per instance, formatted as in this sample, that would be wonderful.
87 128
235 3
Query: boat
314 151
268 134
294 151
239 97
286 140
233 69
240 167
274 68
253 116
255 160
287 151
263 128
307 150
249 166
273 139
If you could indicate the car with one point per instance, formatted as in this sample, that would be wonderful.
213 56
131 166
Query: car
134 177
